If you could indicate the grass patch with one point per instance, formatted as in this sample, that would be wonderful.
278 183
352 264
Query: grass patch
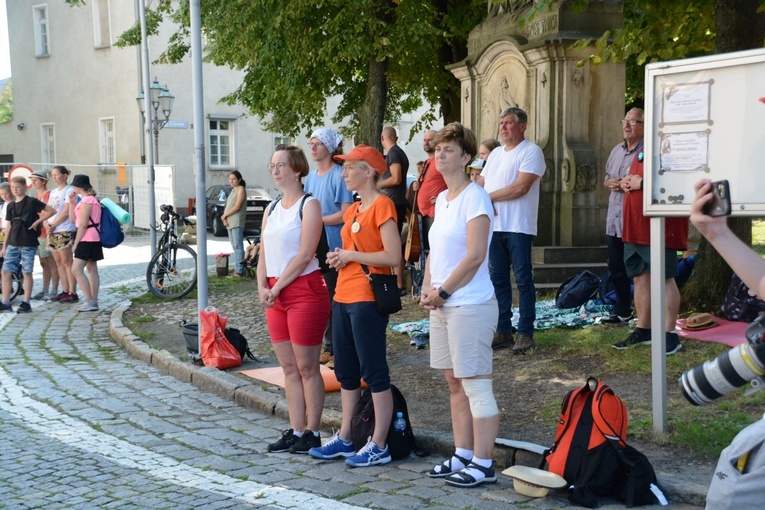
144 335
145 318
348 494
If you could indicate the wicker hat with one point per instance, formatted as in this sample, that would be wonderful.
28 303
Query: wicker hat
40 174
533 482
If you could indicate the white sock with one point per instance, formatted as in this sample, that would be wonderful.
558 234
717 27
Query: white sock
464 453
297 434
482 462
475 473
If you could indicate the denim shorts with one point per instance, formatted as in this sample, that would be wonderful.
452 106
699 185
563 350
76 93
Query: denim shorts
15 255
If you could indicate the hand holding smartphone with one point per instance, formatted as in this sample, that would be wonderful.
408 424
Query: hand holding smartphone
720 204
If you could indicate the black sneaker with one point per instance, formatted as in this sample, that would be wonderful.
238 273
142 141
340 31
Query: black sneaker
617 319
305 442
637 337
284 443
673 343
24 307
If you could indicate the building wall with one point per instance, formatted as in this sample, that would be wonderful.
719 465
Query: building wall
78 84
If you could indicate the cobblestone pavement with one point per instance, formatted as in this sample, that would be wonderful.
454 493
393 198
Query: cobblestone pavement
84 425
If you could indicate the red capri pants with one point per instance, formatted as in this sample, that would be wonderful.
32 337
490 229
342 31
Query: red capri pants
301 311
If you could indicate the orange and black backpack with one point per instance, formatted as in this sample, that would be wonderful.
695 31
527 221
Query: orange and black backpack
591 453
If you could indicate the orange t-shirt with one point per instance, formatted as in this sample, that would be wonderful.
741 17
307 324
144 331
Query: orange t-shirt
44 197
352 284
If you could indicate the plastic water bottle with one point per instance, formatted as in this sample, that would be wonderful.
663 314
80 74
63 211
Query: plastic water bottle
400 424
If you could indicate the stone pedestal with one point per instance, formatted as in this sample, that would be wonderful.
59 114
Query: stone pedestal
573 111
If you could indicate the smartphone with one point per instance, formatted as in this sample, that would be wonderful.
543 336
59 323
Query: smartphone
720 203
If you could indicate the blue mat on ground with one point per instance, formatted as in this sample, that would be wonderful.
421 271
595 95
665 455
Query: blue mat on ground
548 316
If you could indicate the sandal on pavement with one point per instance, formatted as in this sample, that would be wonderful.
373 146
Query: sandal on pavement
445 469
463 478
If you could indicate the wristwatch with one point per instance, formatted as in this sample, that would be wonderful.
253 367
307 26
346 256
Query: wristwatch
443 294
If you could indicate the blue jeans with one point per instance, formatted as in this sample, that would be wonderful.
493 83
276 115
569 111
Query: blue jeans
236 237
513 249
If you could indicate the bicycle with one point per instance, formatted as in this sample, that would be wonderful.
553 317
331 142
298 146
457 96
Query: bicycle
172 271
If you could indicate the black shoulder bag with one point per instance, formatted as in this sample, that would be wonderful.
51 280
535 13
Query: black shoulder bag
385 288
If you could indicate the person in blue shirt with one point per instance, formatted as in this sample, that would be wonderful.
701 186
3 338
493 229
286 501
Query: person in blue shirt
326 184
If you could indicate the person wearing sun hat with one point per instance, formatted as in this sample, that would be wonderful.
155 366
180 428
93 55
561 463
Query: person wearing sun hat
369 237
474 170
50 275
87 242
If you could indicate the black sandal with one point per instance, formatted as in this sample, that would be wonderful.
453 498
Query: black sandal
446 467
463 479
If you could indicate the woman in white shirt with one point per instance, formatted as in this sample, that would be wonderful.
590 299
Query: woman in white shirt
61 233
295 297
458 292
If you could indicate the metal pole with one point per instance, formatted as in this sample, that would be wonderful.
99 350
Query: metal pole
156 142
149 124
199 149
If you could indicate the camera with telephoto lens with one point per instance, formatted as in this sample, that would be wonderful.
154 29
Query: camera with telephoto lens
730 370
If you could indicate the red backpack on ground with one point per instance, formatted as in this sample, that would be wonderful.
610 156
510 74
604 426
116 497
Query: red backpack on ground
589 416
591 453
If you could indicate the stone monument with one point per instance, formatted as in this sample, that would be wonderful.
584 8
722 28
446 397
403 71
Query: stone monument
574 111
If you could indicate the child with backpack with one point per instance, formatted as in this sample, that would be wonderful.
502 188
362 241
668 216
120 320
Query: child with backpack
24 216
87 242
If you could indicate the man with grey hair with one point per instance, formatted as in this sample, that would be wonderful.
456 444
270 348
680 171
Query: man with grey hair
511 177
617 168
326 184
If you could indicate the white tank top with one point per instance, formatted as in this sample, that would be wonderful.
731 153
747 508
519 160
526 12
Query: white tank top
282 238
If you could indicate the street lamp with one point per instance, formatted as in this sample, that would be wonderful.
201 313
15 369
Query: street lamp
161 100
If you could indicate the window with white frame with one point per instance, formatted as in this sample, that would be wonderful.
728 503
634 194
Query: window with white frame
281 140
102 32
42 42
106 137
221 133
48 144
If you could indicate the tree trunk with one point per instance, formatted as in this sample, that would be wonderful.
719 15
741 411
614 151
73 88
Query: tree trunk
738 27
372 111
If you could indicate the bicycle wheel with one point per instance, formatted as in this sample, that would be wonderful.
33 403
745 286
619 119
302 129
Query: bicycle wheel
172 272
17 285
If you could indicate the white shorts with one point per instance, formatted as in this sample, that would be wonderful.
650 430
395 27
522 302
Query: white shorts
460 338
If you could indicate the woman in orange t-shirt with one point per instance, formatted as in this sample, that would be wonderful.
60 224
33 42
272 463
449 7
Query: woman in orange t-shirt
370 237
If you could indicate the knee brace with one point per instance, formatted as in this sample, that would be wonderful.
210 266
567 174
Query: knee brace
481 397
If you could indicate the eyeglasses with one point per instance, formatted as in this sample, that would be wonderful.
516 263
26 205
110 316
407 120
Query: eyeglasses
279 166
631 122
316 145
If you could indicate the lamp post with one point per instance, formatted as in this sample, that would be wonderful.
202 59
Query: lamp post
161 100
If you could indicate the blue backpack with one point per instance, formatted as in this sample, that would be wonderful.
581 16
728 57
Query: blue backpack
577 290
109 229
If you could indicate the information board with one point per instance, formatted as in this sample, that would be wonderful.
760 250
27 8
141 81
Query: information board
705 118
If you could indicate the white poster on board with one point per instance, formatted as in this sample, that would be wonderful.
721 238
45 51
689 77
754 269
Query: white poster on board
684 152
163 191
686 103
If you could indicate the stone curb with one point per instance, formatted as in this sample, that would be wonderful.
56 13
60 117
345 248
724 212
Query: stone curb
252 396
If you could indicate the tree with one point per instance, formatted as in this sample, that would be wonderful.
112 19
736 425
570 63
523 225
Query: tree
6 102
659 31
382 57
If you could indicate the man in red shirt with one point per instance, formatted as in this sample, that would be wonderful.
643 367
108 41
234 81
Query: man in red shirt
636 234
431 183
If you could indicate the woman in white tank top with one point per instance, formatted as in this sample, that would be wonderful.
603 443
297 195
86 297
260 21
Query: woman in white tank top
294 295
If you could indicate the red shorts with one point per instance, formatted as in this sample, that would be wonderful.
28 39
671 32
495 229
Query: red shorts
301 311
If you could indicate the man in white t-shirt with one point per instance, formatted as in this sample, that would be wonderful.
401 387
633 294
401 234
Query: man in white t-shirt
511 177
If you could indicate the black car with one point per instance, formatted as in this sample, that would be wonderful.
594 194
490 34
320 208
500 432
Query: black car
215 198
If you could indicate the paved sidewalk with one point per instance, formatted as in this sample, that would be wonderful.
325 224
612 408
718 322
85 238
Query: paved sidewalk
87 424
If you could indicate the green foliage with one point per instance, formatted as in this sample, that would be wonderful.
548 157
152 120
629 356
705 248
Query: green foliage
6 103
296 53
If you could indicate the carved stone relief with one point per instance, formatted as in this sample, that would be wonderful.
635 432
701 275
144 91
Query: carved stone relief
505 85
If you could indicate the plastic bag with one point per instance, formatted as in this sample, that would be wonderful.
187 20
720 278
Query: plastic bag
215 349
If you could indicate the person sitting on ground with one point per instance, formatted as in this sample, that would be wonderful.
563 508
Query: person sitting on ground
295 297
251 253
371 243
463 310
24 217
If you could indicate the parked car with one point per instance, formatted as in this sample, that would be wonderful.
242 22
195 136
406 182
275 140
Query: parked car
215 198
